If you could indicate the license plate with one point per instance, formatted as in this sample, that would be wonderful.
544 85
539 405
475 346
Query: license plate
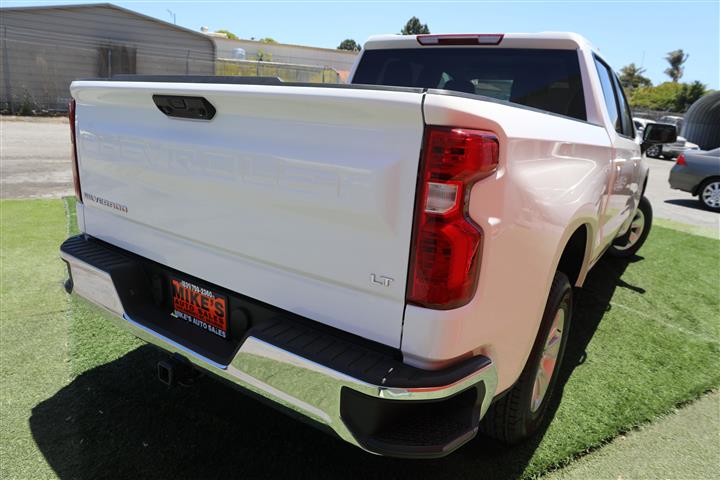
199 306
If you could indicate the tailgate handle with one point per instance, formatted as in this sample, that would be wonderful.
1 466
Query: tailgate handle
181 106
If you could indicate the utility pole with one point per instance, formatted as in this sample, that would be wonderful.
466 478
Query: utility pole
172 14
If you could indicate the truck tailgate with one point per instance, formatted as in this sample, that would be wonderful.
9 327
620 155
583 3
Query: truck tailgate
294 196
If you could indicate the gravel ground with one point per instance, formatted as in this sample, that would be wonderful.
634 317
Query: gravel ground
35 158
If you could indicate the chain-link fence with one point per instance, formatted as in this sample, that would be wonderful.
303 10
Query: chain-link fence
674 118
654 114
285 71
338 60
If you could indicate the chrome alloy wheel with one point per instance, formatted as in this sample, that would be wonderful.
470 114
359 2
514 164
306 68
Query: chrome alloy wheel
635 231
653 151
711 194
547 361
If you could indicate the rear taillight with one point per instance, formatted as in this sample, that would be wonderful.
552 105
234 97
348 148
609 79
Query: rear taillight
446 244
73 139
681 160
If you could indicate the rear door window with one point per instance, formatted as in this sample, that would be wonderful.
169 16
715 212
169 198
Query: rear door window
608 90
549 80
627 123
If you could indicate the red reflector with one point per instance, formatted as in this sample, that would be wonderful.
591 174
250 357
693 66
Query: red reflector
446 243
681 160
75 170
461 39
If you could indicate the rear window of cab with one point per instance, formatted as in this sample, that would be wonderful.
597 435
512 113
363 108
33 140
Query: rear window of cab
548 80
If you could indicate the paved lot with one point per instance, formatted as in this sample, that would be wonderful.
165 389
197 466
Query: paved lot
673 204
35 158
36 164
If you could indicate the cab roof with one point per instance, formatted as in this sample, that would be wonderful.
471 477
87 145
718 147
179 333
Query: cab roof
550 40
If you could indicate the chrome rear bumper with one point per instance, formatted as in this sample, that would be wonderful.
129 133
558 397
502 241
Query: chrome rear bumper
309 387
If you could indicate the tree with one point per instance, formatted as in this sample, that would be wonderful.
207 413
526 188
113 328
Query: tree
661 97
263 56
414 27
267 40
229 34
689 94
676 59
631 77
349 44
668 96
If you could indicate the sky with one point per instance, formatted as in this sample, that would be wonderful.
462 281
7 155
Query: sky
639 31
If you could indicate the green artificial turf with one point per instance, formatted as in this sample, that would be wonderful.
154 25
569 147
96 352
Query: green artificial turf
80 399
34 315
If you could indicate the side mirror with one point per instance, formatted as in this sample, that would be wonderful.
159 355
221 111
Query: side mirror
655 133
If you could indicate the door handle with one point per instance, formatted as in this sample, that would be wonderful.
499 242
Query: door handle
181 106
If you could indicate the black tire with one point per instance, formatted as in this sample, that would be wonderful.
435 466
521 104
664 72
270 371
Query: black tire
512 418
705 201
627 245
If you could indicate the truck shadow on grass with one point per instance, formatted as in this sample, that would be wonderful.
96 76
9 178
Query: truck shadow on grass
118 421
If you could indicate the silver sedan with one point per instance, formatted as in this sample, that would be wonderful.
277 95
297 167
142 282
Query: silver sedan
698 172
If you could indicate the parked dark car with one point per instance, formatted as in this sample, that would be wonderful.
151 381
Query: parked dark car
698 172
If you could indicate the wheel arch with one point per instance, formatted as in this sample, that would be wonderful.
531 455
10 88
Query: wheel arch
701 183
575 257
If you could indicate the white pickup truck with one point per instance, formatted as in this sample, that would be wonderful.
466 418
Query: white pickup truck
393 259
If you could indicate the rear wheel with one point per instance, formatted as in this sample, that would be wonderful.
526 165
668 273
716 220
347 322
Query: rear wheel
709 194
520 413
627 245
